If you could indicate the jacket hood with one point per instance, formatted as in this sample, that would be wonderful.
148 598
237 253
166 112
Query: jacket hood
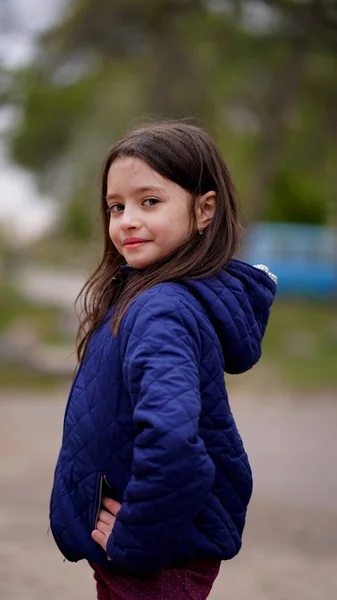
237 302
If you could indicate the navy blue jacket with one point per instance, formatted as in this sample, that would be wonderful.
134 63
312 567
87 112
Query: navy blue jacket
148 422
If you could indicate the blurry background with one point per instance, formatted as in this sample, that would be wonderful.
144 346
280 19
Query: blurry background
260 76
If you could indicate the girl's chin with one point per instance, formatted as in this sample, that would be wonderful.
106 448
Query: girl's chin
140 262
135 264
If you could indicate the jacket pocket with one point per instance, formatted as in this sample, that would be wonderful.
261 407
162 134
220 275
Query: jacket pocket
98 500
103 488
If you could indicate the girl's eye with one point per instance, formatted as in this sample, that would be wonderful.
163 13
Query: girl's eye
150 201
115 208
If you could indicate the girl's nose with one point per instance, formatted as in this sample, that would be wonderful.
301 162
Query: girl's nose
129 221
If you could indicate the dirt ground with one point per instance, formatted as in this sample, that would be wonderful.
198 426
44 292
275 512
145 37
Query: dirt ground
290 542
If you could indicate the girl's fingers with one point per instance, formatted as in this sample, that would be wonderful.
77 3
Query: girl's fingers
103 528
106 521
106 517
111 505
100 538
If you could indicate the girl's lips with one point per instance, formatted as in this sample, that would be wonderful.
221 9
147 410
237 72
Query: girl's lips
133 245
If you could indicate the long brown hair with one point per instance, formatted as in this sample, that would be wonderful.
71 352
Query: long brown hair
186 155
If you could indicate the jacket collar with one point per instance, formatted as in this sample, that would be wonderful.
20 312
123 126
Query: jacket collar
127 270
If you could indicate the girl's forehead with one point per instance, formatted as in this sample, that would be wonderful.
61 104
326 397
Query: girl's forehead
131 166
128 173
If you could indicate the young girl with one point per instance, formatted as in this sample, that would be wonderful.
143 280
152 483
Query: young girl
152 481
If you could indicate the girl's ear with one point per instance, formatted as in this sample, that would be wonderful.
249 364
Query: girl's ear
205 209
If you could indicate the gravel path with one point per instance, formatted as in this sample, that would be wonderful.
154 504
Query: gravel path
290 542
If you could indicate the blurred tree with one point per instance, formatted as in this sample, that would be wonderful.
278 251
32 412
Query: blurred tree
303 51
258 75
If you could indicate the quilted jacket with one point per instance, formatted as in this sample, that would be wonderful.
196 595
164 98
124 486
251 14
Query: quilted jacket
148 422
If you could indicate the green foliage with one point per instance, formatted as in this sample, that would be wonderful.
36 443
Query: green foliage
301 344
297 198
77 221
267 97
51 113
18 377
267 94
299 350
14 308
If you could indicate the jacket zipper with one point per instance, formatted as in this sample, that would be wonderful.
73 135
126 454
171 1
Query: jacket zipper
109 486
106 481
102 479
100 488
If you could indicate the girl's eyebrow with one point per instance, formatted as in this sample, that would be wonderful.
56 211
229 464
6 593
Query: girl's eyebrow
139 190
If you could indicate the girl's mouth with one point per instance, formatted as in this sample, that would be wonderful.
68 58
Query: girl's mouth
133 245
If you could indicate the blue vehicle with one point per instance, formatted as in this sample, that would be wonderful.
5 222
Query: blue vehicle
304 257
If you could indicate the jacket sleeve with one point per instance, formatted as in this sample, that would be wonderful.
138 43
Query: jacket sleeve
172 473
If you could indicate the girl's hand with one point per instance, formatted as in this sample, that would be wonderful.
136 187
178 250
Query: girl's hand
106 520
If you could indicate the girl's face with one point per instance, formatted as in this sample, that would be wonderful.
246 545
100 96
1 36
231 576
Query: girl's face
150 216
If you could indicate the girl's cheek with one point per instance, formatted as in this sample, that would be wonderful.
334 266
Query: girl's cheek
112 230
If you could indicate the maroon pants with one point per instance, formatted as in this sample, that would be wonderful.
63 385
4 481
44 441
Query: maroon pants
192 581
